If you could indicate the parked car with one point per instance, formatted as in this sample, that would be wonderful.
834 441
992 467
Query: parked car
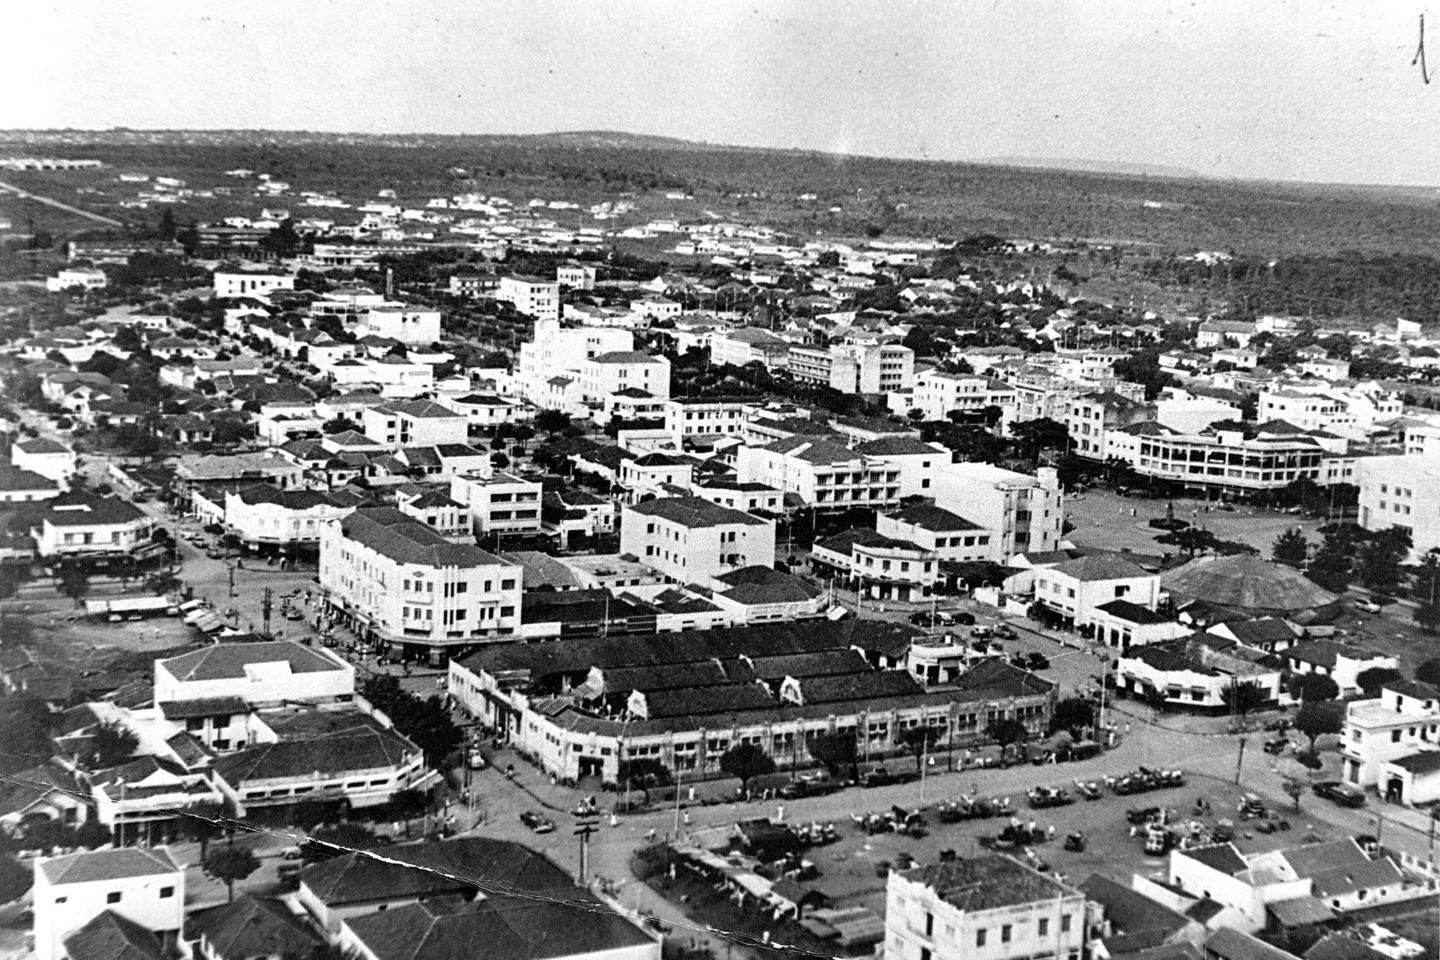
1277 745
1341 793
1369 606
536 822
1036 660
1006 632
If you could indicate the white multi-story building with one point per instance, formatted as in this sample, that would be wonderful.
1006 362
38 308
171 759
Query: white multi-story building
1222 460
692 540
982 908
418 423
262 516
486 411
406 324
576 276
608 373
145 886
937 393
687 417
747 497
863 368
1403 720
77 278
1404 492
498 502
1024 514
949 535
403 583
750 345
231 285
1076 588
555 351
531 296
821 472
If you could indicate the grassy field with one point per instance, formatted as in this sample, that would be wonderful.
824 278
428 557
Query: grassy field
1150 214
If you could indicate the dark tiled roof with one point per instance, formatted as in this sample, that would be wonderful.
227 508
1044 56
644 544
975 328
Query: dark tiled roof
108 865
1130 912
357 743
1222 857
871 685
1132 612
430 869
253 927
77 509
936 519
987 883
402 538
204 707
695 512
109 936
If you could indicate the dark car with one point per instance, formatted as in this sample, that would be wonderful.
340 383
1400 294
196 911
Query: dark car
1277 745
536 822
1341 793
921 619
965 619
1037 661
1006 632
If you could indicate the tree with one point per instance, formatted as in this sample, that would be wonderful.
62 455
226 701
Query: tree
1429 672
1332 566
552 421
1294 788
746 761
409 803
642 773
91 834
205 822
1192 540
919 741
1032 437
1426 592
1291 548
73 582
113 744
1243 698
1373 680
26 721
1073 713
1316 720
1380 559
230 864
15 880
1006 732
1312 687
837 751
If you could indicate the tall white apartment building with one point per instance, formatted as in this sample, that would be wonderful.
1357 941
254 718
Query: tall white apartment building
531 296
865 368
403 583
691 540
562 351
1403 720
1025 514
982 908
1402 491
938 393
823 473
417 423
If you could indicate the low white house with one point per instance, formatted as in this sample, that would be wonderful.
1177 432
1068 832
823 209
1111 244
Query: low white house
260 674
1075 588
49 458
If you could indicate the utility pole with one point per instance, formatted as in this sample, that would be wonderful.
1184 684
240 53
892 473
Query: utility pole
266 602
585 825
1239 761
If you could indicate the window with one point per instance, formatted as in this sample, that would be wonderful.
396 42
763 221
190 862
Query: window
59 900
167 892
1005 933
980 937
1065 922
113 897
1042 928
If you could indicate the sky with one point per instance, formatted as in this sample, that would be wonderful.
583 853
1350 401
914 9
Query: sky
1278 89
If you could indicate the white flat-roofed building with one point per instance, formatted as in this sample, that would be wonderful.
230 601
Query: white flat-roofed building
822 472
232 285
77 278
691 540
144 886
1404 492
882 567
262 516
687 416
498 502
486 411
406 324
1403 720
555 351
531 296
261 674
405 584
982 908
1075 588
747 497
1025 514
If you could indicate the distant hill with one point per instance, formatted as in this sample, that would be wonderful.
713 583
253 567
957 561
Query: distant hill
1114 167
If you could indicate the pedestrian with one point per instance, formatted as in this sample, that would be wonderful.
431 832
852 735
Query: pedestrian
1051 831
1127 728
